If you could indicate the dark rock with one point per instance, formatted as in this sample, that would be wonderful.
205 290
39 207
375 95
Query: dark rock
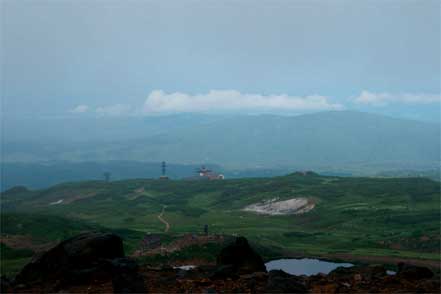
89 247
210 290
241 257
125 276
412 272
223 272
5 285
73 260
282 282
96 271
358 273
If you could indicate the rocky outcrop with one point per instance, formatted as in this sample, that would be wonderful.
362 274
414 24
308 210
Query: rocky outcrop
241 257
412 272
79 260
74 259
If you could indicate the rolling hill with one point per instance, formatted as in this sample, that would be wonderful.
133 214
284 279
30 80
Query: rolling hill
395 217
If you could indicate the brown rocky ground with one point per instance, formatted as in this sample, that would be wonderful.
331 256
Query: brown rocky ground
95 263
360 280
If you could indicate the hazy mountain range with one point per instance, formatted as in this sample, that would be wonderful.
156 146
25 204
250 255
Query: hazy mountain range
40 153
326 139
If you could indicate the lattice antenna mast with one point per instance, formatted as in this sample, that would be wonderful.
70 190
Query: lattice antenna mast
106 176
163 167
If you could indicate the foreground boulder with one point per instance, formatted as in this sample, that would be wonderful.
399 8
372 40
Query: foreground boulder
73 260
412 272
240 258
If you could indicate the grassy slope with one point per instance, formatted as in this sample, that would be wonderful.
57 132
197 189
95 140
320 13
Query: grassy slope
362 216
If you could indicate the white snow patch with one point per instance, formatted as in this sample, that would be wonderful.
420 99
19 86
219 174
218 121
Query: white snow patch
284 207
56 202
185 267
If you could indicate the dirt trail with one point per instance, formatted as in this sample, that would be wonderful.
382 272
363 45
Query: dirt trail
162 220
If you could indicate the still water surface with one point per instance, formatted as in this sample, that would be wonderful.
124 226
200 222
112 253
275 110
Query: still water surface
304 266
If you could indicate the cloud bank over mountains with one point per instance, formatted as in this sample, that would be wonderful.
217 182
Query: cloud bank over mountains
224 101
230 100
384 99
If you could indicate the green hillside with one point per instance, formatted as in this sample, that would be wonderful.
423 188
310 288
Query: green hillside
361 216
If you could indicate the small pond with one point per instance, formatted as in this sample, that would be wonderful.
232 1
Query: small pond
304 266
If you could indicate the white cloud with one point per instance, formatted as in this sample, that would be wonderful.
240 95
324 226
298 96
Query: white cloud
231 100
384 99
80 109
114 110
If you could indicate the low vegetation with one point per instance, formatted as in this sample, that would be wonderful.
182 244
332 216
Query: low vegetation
396 217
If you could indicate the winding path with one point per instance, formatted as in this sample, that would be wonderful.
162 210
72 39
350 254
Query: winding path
162 220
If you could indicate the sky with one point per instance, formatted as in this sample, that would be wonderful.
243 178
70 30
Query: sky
139 58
